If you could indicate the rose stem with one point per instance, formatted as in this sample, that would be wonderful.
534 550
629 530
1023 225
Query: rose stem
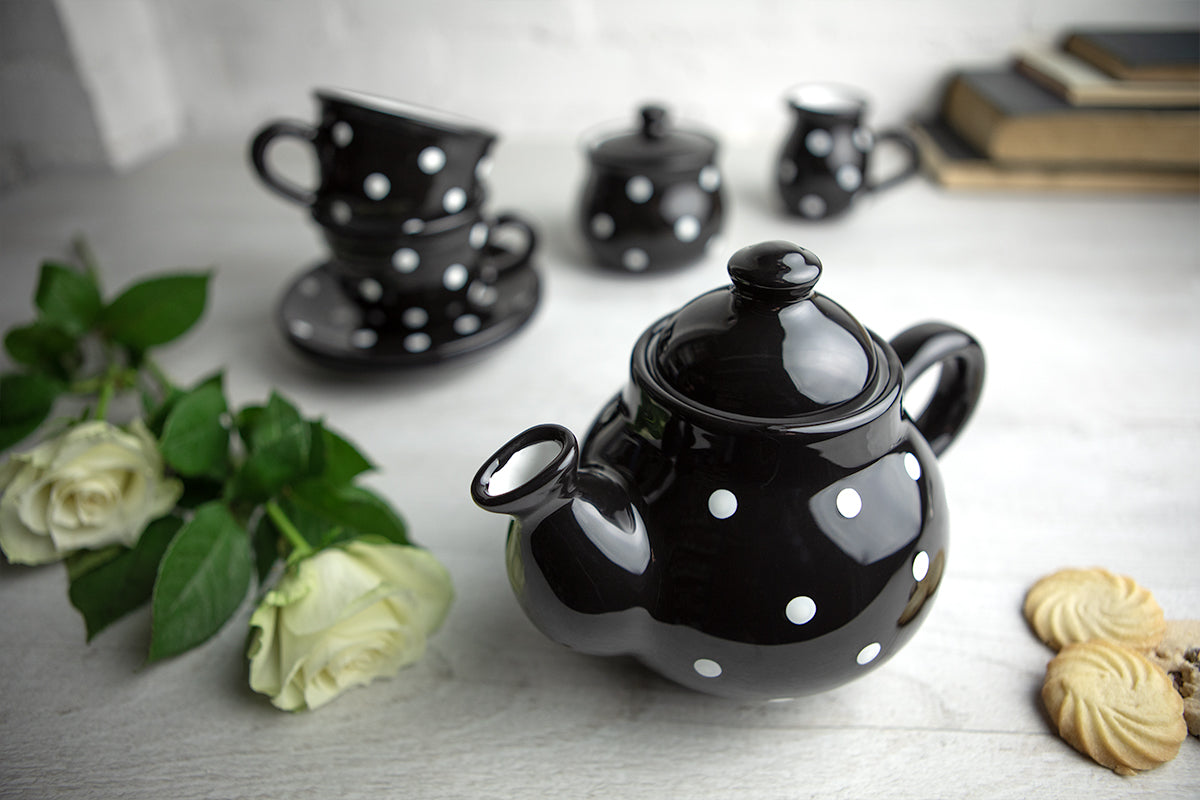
299 544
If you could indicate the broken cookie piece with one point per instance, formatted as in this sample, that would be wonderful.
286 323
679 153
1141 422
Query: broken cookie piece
1179 656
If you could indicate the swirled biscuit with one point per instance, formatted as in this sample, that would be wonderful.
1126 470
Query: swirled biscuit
1114 705
1179 656
1074 605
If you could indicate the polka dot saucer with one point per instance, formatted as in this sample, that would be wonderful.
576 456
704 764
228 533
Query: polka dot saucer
352 328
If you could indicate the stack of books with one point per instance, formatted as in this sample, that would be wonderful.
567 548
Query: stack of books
1098 109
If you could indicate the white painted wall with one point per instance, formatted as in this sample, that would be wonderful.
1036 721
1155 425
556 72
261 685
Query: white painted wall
219 68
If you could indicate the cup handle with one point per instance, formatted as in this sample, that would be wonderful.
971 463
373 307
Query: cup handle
258 157
957 393
914 158
507 259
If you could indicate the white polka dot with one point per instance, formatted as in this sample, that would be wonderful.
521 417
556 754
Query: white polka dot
413 226
455 277
310 287
344 316
710 178
301 329
466 324
484 168
482 295
868 653
364 338
454 200
417 342
920 566
862 138
787 170
340 212
431 160
639 189
478 236
819 142
912 466
377 186
812 206
687 228
849 503
414 317
849 177
635 259
722 503
602 226
800 610
341 133
707 668
406 259
370 289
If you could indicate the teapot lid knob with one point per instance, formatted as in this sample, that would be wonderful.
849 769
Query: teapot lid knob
654 121
774 271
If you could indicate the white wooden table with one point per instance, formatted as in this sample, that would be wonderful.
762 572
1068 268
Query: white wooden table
1085 451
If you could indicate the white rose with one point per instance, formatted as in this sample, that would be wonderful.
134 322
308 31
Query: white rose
92 486
343 617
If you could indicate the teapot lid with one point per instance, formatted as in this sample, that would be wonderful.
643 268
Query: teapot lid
655 145
768 346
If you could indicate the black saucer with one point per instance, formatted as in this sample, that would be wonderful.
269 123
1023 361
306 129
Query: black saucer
338 328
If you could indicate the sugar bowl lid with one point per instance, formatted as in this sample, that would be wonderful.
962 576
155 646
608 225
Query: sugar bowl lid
656 144
768 347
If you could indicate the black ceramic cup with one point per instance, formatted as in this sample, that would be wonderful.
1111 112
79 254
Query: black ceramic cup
825 161
444 257
381 163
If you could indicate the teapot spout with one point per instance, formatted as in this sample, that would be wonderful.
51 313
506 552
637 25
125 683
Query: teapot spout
536 471
578 550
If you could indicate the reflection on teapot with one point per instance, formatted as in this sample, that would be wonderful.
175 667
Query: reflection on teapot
755 514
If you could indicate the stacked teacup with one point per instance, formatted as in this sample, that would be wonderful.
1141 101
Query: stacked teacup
418 271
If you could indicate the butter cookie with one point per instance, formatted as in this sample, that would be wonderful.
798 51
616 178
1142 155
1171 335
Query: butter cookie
1113 704
1074 605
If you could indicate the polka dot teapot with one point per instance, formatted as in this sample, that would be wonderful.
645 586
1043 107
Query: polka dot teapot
755 514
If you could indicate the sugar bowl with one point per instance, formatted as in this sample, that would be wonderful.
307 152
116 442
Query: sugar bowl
652 199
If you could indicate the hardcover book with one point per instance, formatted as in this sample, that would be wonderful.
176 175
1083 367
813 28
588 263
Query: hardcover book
953 163
1169 55
1081 83
1009 118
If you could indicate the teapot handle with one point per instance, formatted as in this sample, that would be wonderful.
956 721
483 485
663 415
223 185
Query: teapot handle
957 393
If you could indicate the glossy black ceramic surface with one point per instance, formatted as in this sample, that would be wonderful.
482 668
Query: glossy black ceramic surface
825 161
755 514
357 326
437 256
381 163
652 199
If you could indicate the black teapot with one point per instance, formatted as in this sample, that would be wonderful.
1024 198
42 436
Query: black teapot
755 514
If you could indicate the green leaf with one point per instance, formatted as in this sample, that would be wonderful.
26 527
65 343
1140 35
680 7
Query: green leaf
279 445
106 585
45 346
352 511
26 399
342 460
194 439
202 580
266 547
157 310
67 298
